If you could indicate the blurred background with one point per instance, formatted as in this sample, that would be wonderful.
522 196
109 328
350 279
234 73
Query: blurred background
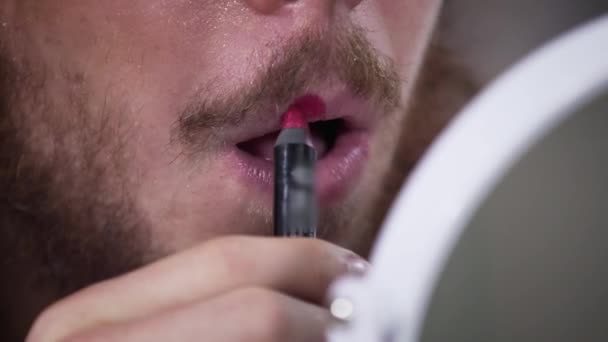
485 37
489 35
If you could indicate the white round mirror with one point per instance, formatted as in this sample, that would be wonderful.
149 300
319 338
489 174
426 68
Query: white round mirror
500 233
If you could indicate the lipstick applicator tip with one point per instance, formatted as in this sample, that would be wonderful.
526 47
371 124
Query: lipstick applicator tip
293 118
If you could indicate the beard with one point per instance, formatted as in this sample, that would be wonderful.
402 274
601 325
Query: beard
68 212
442 89
68 217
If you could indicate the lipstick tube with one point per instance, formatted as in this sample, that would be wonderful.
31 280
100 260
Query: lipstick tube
295 207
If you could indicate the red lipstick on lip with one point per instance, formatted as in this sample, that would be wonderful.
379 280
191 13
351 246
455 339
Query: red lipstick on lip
312 107
293 118
295 207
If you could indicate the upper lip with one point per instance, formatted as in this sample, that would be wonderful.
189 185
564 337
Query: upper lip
358 113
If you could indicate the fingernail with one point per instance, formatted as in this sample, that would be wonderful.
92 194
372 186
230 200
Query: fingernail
355 265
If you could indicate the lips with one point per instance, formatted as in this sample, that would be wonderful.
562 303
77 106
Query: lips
339 132
323 135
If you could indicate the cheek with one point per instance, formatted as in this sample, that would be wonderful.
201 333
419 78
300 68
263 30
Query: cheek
400 28
369 16
128 45
136 58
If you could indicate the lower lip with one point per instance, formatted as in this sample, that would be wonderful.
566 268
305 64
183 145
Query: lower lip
335 172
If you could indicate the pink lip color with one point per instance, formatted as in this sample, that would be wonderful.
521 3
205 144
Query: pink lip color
335 173
308 108
294 118
312 106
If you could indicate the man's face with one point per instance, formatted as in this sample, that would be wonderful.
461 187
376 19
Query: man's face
133 129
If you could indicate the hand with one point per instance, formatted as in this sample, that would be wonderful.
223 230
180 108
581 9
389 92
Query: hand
240 289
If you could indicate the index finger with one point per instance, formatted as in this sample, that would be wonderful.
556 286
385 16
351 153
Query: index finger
303 268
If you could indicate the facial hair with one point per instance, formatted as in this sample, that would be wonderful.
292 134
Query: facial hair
68 217
443 88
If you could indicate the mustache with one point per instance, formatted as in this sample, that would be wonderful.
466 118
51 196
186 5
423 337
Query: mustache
306 60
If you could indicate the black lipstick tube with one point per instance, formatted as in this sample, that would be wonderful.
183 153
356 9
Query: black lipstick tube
295 207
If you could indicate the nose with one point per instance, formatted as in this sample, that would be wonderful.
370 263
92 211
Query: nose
272 6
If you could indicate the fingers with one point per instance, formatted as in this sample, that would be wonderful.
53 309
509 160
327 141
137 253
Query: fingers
245 315
302 268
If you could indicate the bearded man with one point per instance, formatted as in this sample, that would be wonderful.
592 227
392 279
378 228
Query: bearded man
135 144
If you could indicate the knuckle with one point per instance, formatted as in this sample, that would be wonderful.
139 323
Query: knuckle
230 251
314 246
329 266
61 322
48 326
80 339
90 336
269 313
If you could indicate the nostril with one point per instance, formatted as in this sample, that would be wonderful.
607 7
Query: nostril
271 6
265 6
352 3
